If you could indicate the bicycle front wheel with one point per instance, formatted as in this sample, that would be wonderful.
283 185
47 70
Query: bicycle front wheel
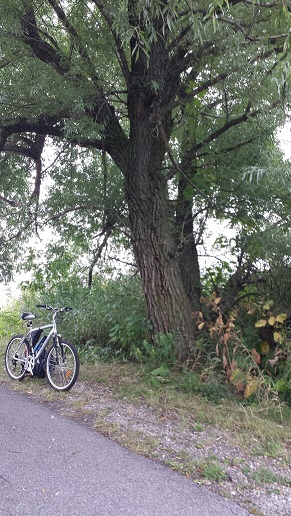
62 366
17 351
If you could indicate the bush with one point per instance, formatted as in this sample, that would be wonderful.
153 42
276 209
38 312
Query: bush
161 352
10 321
109 317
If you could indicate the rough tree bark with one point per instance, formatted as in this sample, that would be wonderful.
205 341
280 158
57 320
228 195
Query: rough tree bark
186 245
168 306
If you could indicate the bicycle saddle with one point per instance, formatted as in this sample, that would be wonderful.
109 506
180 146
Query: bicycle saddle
27 316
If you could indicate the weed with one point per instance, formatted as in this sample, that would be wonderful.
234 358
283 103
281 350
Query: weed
246 470
108 429
284 389
265 476
201 471
212 471
162 351
197 427
10 321
271 448
178 466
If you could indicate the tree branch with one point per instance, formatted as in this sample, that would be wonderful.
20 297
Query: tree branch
98 253
45 125
9 201
75 37
121 54
40 48
177 168
192 153
64 212
37 149
206 85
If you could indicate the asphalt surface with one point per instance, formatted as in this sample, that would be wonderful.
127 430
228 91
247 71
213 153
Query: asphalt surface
50 465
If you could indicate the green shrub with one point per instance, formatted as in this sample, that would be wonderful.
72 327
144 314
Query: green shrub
161 351
110 316
283 387
10 321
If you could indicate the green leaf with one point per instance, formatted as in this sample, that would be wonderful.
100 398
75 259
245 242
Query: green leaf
268 305
160 371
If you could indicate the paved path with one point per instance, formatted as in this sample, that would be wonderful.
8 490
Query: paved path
50 465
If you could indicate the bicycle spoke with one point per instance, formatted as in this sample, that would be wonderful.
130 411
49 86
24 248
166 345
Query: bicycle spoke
29 354
16 357
62 366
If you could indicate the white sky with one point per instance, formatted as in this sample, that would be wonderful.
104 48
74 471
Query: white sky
284 136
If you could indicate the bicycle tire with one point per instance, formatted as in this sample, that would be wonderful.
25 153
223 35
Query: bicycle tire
15 365
62 366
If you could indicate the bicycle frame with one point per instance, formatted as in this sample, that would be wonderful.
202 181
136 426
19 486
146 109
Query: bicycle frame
32 357
26 354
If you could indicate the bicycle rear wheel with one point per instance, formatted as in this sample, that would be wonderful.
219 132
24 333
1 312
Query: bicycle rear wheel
62 366
17 351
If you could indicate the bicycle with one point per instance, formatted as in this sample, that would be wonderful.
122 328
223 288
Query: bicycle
27 355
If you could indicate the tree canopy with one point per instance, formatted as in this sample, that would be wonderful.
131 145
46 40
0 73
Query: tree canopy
156 110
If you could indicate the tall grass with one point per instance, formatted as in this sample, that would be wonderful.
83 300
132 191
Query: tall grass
109 320
111 315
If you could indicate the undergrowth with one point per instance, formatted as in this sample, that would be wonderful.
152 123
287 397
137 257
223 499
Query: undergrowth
229 361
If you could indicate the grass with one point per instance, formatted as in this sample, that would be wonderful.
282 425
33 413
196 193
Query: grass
202 471
262 429
263 475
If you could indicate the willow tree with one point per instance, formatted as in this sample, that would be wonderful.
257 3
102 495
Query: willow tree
166 89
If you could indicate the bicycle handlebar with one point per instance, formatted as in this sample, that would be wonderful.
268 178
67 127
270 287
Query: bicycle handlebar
48 307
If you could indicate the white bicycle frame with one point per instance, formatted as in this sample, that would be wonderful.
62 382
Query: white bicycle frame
32 357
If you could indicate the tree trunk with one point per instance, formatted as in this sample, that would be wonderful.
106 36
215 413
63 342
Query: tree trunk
188 255
236 283
168 306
